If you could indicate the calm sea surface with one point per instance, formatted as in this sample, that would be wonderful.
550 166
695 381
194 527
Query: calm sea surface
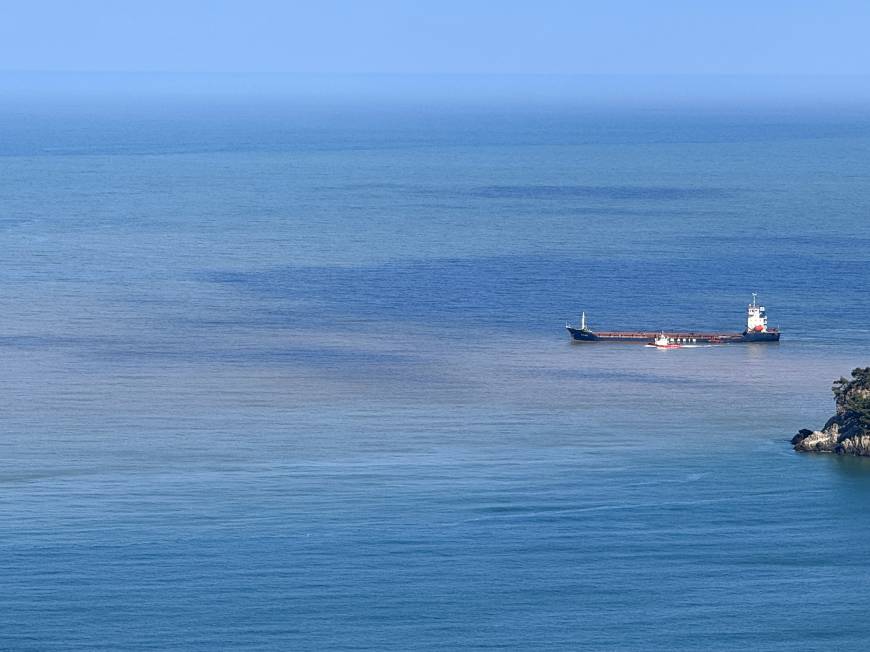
285 378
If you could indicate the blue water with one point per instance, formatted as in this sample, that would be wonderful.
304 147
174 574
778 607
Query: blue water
281 377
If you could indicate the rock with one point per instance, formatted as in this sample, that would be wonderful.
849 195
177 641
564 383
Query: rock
814 440
848 431
802 434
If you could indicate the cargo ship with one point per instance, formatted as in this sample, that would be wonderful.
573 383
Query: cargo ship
756 331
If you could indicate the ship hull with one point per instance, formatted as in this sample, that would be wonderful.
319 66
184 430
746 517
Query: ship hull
645 337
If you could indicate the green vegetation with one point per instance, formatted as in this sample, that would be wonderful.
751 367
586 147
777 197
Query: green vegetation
854 394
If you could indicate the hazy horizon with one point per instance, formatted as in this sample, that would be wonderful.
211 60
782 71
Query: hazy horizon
627 52
725 90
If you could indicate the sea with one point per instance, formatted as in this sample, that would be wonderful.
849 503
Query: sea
294 375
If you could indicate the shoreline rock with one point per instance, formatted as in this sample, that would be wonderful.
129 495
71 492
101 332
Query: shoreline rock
848 431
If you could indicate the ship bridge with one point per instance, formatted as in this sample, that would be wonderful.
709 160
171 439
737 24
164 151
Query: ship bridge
756 316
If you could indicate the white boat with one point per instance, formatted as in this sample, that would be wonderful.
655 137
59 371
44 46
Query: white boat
662 341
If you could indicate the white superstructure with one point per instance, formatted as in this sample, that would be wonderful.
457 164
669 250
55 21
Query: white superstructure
756 317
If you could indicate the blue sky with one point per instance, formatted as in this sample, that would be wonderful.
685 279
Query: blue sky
795 37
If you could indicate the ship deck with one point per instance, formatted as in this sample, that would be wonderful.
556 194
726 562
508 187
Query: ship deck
645 335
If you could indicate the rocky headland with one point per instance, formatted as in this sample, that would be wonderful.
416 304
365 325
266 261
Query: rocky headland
848 431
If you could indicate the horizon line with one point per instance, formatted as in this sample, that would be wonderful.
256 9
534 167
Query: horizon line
432 74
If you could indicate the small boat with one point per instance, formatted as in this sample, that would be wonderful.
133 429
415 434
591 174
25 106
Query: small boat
662 341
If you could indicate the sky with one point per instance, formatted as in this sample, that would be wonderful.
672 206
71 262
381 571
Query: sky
432 37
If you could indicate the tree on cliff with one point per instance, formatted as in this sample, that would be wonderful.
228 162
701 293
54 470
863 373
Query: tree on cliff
854 395
848 431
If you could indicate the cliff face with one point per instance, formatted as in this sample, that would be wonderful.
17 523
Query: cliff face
848 431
